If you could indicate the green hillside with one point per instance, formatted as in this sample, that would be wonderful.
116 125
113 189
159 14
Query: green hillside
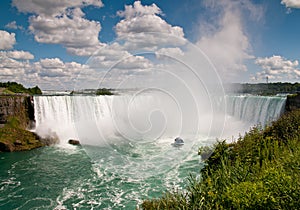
13 88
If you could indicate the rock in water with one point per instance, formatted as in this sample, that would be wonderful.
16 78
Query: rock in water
74 142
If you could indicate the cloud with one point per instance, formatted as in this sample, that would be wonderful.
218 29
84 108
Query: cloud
111 58
53 73
63 23
170 52
142 28
10 69
277 68
13 25
139 10
50 7
18 55
140 32
49 73
72 31
224 40
136 63
54 67
7 40
291 3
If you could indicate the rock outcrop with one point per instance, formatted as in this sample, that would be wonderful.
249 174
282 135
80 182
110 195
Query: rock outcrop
16 116
20 106
14 138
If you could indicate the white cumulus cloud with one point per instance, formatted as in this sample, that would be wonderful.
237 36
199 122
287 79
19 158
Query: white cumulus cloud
50 7
19 55
7 40
139 10
291 3
169 52
72 32
277 67
54 67
143 28
53 73
11 69
63 22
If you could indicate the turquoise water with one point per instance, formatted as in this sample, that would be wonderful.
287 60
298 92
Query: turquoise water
114 177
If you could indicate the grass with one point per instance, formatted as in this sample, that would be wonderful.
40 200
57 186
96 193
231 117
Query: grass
259 171
6 91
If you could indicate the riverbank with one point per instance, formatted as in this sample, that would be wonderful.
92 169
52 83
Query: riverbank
260 170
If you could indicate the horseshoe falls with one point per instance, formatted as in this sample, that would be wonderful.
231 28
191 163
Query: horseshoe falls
255 109
126 153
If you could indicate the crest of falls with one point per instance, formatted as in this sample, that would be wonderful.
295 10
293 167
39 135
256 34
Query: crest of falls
255 109
95 119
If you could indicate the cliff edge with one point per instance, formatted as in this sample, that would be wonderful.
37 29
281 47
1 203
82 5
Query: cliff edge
16 116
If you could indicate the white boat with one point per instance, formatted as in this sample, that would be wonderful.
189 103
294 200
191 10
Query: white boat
178 142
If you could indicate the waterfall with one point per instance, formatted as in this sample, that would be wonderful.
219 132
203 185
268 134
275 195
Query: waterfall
95 119
255 109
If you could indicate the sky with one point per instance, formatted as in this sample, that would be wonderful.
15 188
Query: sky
75 44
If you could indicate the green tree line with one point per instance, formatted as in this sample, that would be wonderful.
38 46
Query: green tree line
267 88
19 88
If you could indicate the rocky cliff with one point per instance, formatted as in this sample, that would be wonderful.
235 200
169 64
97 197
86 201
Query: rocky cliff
20 106
16 116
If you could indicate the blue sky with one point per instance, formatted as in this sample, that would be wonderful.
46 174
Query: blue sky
56 43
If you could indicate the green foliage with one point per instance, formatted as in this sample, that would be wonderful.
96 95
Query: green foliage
35 90
259 171
287 127
7 92
14 87
205 152
104 91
